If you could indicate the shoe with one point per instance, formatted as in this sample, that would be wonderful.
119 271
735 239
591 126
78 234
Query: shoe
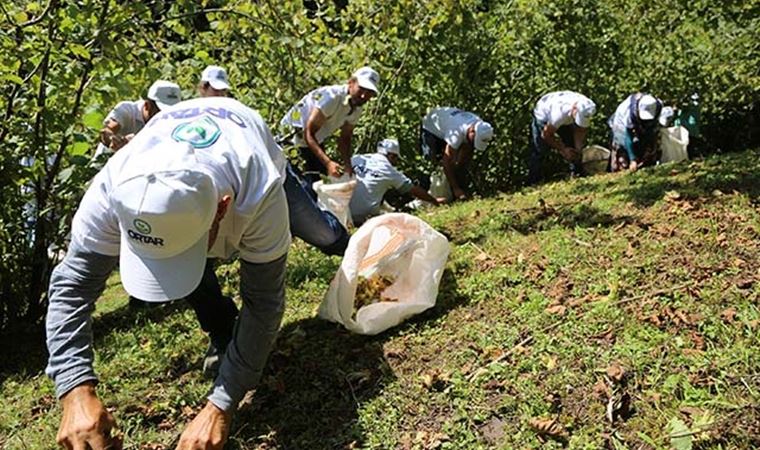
211 362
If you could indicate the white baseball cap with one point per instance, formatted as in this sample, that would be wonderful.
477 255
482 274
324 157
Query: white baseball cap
388 146
367 78
164 93
165 205
666 114
216 77
647 107
584 111
483 134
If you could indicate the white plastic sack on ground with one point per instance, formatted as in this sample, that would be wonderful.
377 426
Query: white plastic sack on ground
595 159
395 245
439 185
674 142
335 197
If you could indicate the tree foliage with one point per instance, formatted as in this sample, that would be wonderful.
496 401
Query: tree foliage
65 64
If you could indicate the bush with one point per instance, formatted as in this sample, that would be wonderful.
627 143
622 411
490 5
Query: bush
66 64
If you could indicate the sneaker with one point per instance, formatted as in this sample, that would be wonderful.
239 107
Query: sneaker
211 362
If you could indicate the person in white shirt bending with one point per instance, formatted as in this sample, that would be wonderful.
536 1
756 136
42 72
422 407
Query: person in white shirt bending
449 136
376 175
127 118
560 122
203 180
323 111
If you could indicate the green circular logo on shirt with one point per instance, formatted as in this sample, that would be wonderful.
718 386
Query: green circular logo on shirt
142 226
201 133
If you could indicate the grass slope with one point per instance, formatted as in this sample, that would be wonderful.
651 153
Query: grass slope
631 297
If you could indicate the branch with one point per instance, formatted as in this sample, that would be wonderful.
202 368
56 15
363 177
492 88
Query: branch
39 18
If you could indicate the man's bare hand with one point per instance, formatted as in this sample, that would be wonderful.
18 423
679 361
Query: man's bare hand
334 169
208 431
459 194
117 142
633 166
441 200
85 422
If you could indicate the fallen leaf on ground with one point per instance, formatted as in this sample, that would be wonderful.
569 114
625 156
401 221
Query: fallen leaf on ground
548 427
672 195
745 283
556 309
616 372
729 315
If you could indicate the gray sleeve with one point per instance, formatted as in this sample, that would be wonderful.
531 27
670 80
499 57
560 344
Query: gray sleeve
262 287
75 285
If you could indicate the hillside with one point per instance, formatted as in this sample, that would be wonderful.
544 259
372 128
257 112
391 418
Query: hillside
618 311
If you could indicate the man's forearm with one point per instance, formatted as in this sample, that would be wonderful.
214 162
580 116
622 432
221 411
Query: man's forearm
315 148
423 195
448 170
74 286
344 148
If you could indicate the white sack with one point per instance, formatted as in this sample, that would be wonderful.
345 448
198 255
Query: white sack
335 197
674 142
397 245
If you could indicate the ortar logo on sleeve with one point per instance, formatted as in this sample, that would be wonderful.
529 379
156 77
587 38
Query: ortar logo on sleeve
142 235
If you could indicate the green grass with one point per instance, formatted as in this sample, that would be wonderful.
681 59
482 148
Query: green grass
544 291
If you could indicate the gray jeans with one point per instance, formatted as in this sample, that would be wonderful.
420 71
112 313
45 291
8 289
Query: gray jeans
78 281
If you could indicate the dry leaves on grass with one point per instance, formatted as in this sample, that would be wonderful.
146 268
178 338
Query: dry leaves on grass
549 428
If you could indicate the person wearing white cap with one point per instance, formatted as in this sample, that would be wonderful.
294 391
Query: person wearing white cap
560 122
634 129
203 180
449 136
323 111
127 118
376 174
214 82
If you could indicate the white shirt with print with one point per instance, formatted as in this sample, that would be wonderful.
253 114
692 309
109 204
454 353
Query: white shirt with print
333 101
621 120
129 116
375 175
240 154
556 108
449 124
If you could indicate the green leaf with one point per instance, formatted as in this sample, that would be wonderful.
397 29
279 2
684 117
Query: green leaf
12 77
93 120
680 434
79 50
80 148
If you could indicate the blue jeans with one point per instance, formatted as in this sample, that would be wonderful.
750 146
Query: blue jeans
310 223
539 147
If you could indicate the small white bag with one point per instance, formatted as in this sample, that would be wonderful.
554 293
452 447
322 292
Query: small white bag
336 197
674 142
439 185
397 245
595 159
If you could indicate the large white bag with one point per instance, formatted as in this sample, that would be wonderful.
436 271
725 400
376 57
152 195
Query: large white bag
674 142
397 245
335 197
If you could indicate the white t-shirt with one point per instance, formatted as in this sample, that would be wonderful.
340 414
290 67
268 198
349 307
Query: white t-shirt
621 120
375 175
333 101
241 156
129 116
449 124
556 108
